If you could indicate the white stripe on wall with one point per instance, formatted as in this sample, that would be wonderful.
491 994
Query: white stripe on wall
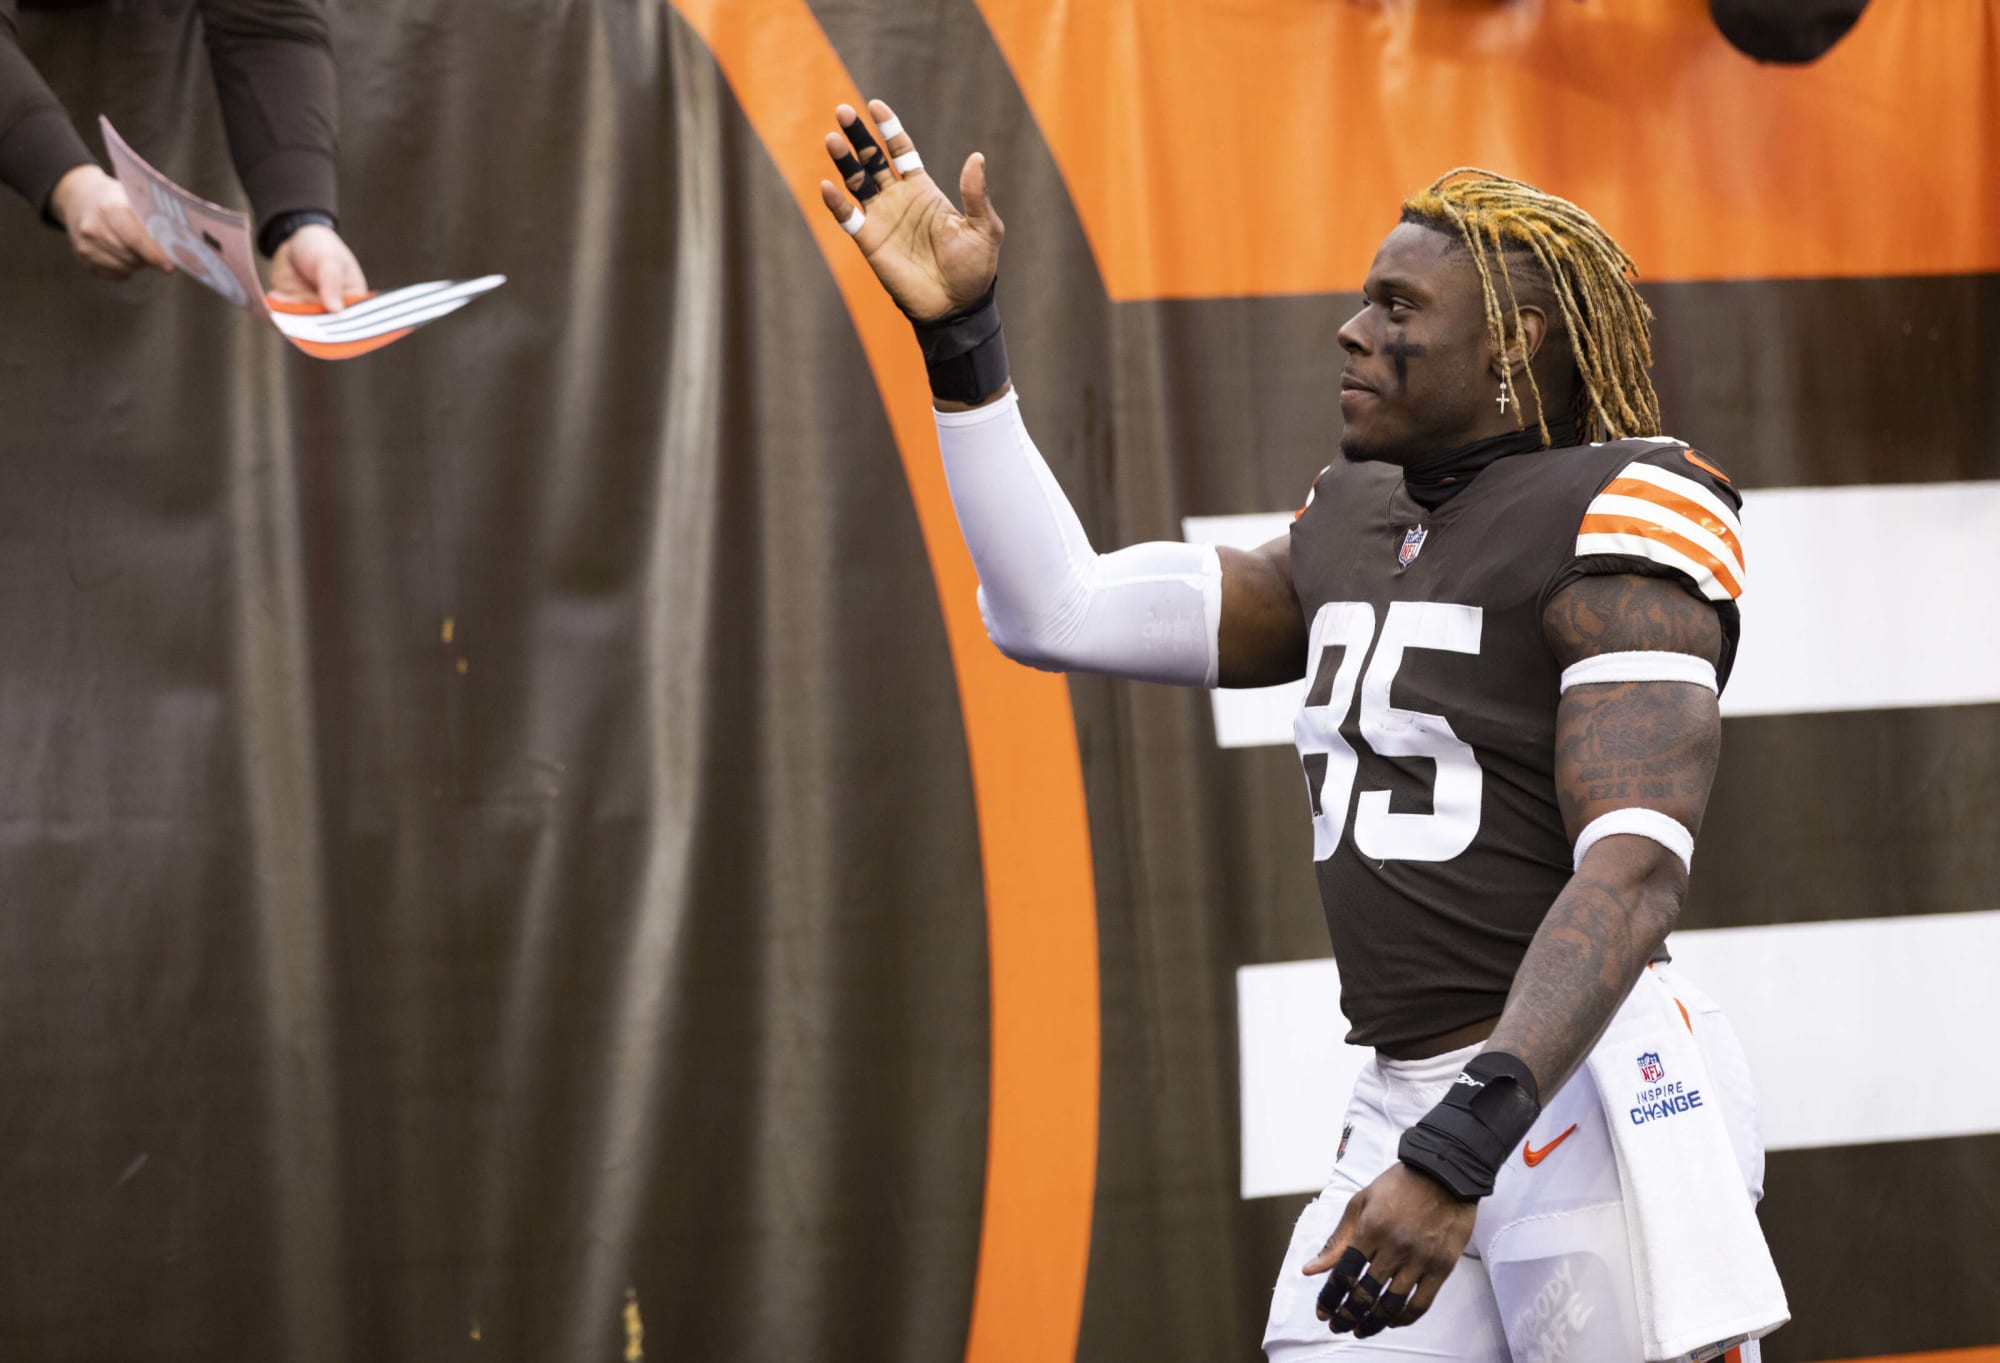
1869 598
1857 1032
1865 598
1296 1074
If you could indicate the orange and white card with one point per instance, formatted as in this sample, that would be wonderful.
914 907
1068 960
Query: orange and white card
214 246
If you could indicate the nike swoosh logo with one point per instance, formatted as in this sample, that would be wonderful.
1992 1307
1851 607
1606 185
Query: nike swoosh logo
1534 1156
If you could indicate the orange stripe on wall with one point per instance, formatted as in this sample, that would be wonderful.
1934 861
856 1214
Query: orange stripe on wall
1230 149
1034 835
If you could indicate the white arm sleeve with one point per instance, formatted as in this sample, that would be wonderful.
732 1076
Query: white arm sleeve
1150 612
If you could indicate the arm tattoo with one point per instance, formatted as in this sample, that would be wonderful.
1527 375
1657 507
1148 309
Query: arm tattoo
1598 936
1626 743
1635 743
1652 744
1625 611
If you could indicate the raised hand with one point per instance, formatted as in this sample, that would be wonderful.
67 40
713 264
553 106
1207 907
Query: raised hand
932 259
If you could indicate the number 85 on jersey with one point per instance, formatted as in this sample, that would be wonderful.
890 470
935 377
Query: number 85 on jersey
1331 764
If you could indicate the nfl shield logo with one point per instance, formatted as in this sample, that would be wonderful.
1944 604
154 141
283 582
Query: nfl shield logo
1413 544
1345 1132
1650 1069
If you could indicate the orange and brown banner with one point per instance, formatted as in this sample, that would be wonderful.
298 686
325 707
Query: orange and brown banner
519 847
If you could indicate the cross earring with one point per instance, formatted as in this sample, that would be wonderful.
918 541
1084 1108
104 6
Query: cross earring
1503 397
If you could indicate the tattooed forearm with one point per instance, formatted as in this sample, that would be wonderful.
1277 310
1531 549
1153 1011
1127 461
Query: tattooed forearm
1607 923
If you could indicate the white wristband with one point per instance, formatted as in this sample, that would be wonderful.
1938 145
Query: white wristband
1640 666
1664 829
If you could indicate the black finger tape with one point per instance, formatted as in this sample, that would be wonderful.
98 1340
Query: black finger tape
865 145
1332 1297
859 183
1350 1265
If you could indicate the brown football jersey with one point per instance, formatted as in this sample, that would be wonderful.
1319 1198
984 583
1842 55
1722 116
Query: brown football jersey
1429 725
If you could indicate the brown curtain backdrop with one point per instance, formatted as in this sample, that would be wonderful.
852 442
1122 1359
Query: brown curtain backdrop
489 862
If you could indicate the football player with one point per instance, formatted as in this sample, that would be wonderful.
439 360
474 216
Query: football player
1515 602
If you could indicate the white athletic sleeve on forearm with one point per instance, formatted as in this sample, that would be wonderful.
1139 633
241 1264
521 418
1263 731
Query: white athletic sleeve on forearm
1150 612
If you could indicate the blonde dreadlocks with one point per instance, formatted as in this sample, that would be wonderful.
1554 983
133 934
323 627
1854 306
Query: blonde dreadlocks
1609 325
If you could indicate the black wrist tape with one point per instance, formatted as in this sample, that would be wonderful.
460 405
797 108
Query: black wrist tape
964 352
1463 1141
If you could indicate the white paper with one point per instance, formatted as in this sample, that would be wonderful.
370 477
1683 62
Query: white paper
214 246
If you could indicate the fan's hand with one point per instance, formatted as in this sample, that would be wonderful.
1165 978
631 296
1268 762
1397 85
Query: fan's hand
314 263
932 259
107 236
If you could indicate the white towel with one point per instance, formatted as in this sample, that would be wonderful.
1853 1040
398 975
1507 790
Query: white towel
1703 1272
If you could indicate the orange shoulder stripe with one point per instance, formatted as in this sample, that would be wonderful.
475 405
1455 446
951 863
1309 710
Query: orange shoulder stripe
1597 523
1686 506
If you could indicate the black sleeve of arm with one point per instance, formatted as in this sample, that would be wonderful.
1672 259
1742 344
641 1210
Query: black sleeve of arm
38 143
274 74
